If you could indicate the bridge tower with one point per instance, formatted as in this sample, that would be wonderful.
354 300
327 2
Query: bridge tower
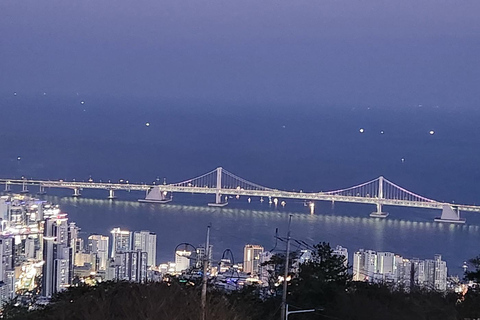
218 191
379 213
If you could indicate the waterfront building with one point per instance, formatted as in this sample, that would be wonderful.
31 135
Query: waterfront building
98 245
167 268
146 241
265 271
7 271
342 252
201 255
386 267
57 254
121 241
436 273
4 208
251 258
130 266
182 260
225 265
75 243
364 265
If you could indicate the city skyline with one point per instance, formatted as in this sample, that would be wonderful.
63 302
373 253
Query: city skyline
350 129
52 247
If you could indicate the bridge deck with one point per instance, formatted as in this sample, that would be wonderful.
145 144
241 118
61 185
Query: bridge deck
269 193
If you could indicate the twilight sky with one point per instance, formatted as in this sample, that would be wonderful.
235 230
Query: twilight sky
315 52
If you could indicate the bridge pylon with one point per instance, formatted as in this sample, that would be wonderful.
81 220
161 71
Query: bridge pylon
218 190
379 213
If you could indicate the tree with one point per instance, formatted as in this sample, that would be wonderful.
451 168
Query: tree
128 300
320 278
474 275
276 270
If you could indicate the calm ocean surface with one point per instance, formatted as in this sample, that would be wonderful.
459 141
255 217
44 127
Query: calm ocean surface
314 148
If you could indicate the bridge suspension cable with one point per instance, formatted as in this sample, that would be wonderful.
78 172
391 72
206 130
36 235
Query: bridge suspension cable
228 181
232 181
366 189
395 192
205 180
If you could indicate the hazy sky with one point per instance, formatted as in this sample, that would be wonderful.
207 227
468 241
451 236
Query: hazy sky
316 52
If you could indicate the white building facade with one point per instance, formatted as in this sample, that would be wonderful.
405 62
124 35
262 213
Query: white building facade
251 258
98 245
386 267
146 241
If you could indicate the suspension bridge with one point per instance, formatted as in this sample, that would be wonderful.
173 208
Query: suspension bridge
224 184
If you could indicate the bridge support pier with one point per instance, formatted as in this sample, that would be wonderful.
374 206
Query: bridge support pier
450 216
218 194
379 213
24 188
111 194
155 195
311 205
7 187
76 193
41 190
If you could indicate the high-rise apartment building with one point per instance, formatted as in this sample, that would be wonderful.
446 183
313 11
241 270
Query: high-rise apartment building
436 273
404 273
130 266
7 272
121 241
57 254
251 258
146 241
98 245
385 262
364 265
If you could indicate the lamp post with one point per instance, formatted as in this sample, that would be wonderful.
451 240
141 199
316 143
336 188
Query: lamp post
296 311
285 285
205 278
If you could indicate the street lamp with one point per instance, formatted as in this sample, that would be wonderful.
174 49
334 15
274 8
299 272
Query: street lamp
297 311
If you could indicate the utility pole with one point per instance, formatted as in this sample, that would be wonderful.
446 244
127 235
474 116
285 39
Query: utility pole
204 279
285 285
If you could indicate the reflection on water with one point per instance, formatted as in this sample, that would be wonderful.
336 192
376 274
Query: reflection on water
405 232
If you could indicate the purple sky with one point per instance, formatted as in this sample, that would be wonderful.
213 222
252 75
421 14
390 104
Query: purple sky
317 52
